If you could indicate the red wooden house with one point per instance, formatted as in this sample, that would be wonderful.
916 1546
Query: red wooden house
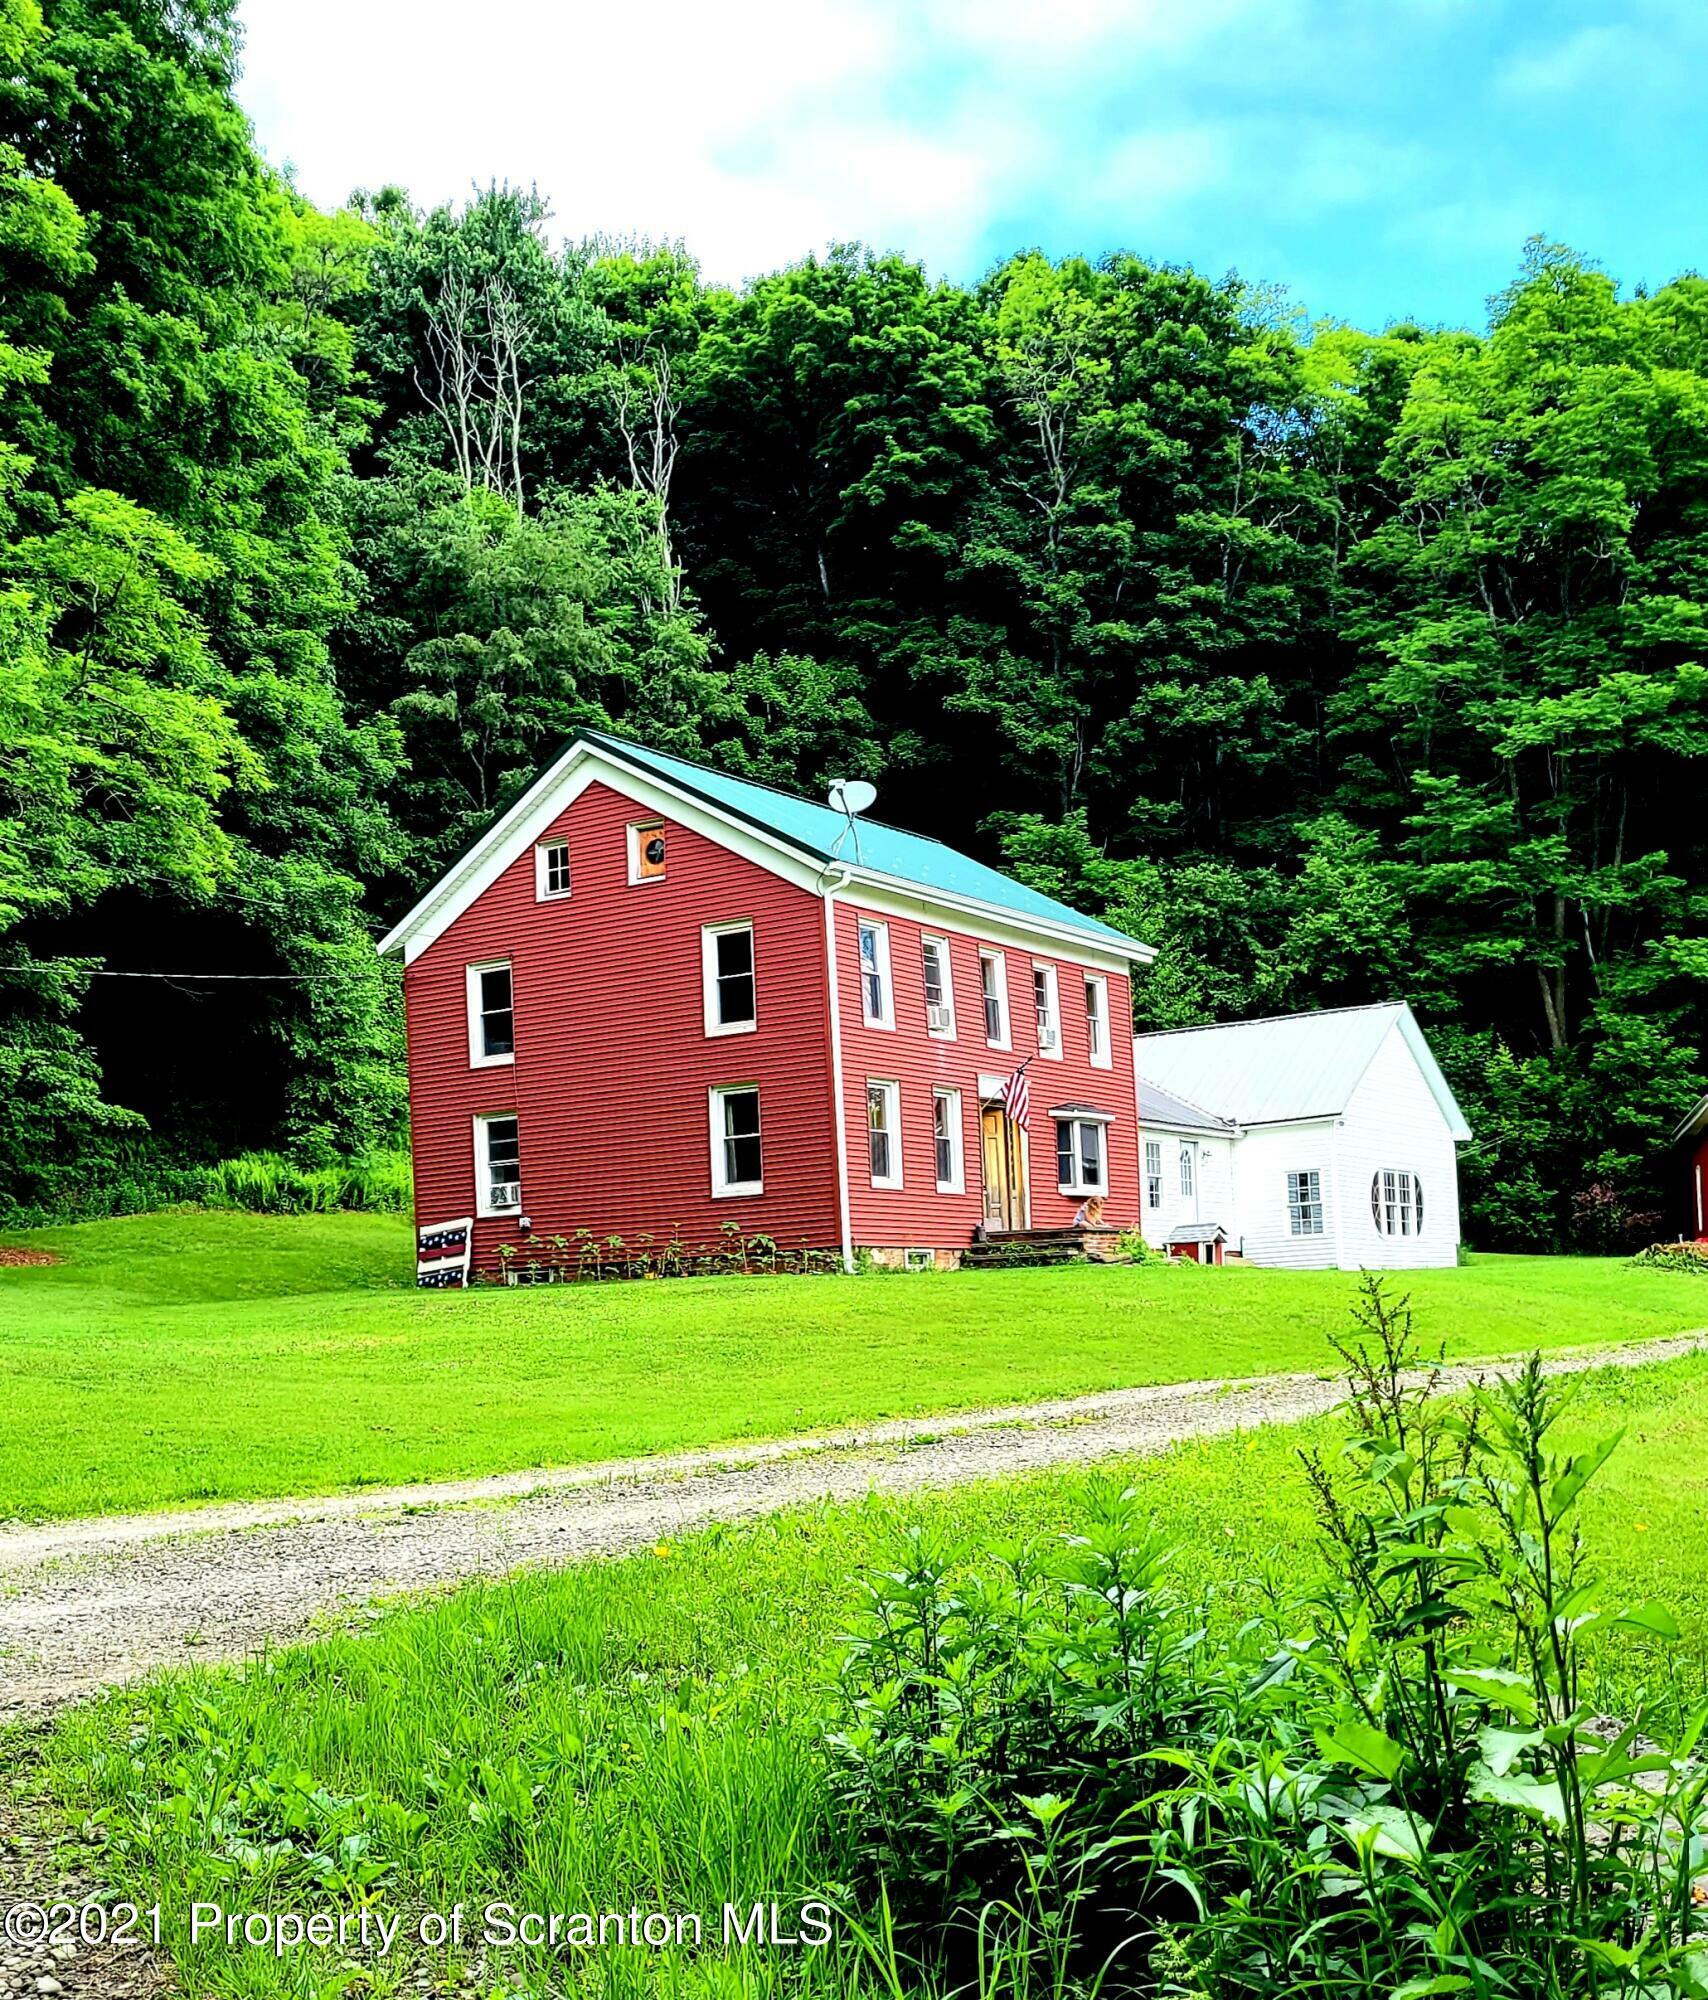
653 999
1692 1135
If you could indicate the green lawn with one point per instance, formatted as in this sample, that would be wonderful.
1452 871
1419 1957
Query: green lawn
184 1357
640 1730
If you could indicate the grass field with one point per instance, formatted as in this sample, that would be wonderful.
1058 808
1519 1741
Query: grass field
639 1730
183 1357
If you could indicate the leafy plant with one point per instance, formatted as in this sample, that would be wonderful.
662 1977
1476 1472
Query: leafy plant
1690 1257
1394 1782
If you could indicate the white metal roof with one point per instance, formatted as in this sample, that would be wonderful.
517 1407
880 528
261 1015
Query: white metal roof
1288 1067
1162 1107
1693 1122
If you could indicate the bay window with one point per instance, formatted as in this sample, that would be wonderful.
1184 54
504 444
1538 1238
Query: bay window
1082 1156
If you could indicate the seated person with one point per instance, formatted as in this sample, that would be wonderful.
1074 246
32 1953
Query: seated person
1089 1214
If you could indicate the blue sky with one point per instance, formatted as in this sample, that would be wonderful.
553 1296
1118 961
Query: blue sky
1382 160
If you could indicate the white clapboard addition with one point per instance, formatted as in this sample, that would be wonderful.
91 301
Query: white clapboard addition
1319 1141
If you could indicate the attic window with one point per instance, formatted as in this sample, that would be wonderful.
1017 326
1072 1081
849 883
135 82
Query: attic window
646 851
551 871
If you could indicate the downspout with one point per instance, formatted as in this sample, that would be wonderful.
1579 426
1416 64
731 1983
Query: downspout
828 890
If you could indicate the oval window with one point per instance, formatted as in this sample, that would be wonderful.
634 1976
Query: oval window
1396 1202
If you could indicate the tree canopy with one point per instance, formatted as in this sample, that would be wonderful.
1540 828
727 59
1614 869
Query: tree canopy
1337 664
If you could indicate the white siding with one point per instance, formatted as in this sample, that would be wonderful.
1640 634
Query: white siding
1393 1121
1265 1156
1212 1199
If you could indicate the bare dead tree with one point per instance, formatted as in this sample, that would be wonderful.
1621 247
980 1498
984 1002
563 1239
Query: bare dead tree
475 342
647 407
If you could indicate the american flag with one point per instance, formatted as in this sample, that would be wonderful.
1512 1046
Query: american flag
1017 1097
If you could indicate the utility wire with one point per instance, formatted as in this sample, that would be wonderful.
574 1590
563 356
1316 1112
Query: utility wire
199 978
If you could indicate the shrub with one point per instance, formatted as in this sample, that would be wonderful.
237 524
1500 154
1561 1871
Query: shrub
1675 1257
1393 1784
271 1184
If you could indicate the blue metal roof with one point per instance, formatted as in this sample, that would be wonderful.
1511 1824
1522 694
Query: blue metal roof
872 847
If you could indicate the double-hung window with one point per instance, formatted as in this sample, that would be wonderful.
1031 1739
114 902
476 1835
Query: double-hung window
497 1164
1153 1175
939 988
731 992
1305 1203
1097 1019
1046 1003
1187 1166
551 871
883 1133
993 990
1082 1159
491 1015
946 1133
737 1165
877 997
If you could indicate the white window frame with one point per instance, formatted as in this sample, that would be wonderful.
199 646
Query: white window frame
1188 1171
1098 1038
1153 1175
636 829
880 932
1077 1182
543 891
930 941
1306 1215
1396 1202
891 1092
1052 1004
723 1188
483 1203
999 962
957 1181
709 935
478 1058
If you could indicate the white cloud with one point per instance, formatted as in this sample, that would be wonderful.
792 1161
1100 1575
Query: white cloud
1150 172
755 129
1591 56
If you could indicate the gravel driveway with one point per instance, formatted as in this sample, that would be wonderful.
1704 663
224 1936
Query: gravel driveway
84 1604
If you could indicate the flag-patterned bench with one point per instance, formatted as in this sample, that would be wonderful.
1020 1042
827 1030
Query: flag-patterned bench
442 1253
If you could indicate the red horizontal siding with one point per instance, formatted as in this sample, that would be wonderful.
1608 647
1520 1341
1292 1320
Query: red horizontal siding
909 1056
613 1063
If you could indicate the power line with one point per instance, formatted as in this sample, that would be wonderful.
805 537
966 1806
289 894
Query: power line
201 978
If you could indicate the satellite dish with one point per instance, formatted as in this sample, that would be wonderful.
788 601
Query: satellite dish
851 795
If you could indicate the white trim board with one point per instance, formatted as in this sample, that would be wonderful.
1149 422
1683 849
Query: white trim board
584 762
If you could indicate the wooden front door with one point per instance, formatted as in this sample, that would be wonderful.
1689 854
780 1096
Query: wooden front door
1003 1148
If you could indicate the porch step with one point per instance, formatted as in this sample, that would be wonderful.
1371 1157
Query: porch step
1007 1248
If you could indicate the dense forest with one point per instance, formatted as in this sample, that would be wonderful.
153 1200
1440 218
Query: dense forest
1338 664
